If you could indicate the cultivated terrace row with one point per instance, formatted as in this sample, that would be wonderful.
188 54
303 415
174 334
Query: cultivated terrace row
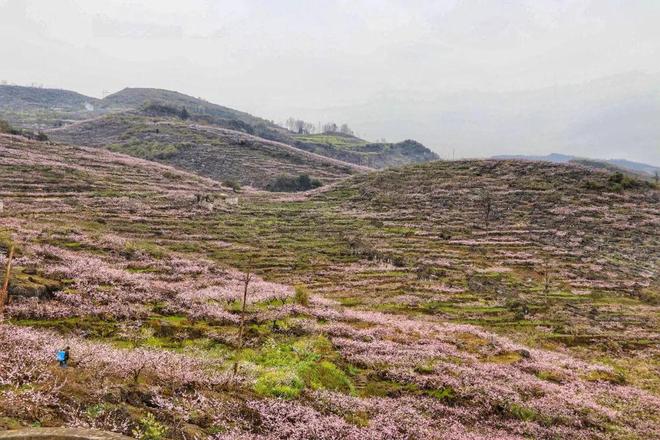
460 310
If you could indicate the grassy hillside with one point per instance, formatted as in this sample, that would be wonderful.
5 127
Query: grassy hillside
38 108
358 151
19 98
134 98
221 154
611 166
387 307
637 168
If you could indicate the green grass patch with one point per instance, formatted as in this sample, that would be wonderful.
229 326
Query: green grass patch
288 367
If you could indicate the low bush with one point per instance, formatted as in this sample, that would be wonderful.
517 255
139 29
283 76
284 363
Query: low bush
5 127
233 184
150 429
293 184
301 295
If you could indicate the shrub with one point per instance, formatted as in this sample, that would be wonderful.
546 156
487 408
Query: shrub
521 412
293 184
619 181
149 429
616 182
302 295
233 184
134 249
447 394
160 109
615 377
41 136
5 127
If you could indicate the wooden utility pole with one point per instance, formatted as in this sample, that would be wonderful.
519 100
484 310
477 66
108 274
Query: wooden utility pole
5 284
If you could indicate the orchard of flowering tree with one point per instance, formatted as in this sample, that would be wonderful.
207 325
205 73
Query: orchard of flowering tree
408 303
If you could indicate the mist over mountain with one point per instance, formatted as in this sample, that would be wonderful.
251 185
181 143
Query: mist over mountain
613 117
626 165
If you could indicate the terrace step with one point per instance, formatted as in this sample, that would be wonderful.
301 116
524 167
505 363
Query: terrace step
60 434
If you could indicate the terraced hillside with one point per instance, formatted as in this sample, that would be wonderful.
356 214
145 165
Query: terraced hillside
393 305
215 152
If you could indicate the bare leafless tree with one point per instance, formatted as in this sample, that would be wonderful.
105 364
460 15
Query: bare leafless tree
246 284
4 293
487 201
308 128
299 126
330 127
345 129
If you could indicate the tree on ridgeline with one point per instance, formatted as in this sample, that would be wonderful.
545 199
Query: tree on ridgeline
330 127
299 126
345 129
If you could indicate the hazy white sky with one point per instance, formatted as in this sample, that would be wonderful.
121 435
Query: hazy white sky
276 57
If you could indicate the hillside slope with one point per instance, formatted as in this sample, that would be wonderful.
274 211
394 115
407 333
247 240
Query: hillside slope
623 165
352 149
218 153
414 316
134 98
18 98
37 108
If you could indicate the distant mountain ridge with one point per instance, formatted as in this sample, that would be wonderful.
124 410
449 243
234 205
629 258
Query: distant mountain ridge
636 167
19 96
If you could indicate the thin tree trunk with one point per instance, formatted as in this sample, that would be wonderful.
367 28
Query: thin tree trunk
245 291
248 277
5 285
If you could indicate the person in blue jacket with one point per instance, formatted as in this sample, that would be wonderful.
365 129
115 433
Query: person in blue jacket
63 357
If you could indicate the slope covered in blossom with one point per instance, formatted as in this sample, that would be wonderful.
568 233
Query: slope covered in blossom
430 315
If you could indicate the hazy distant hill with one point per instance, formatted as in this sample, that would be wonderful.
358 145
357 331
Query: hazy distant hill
18 98
601 118
635 167
134 98
39 108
